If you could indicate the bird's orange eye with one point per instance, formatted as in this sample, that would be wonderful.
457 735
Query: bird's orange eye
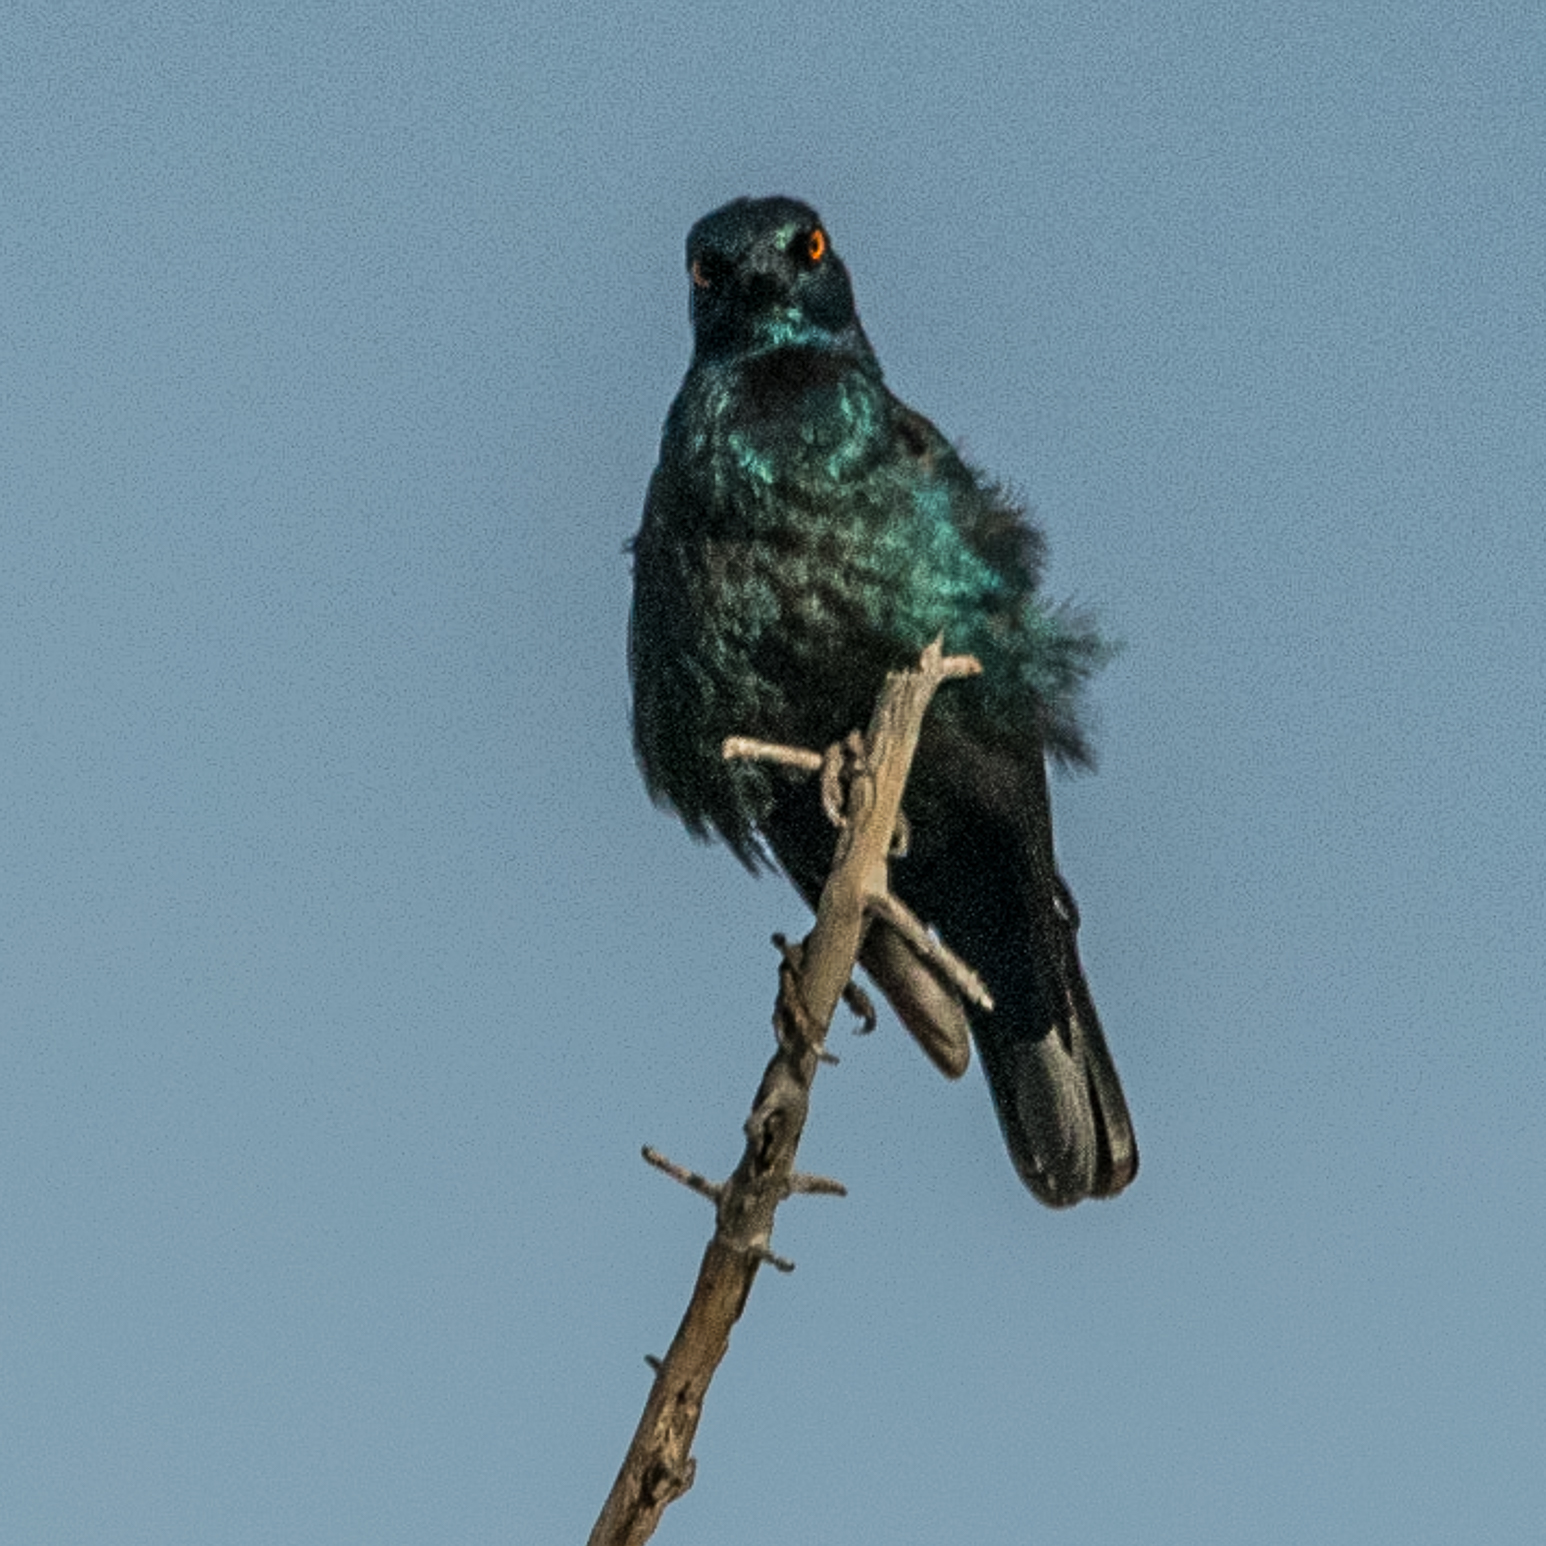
816 245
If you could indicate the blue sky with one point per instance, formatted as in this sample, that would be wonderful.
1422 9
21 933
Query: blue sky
344 965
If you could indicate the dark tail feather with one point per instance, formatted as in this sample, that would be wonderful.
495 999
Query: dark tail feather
990 883
1054 1083
1116 1143
1055 1086
1064 1119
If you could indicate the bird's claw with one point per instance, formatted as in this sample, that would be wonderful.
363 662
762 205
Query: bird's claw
840 763
862 1005
793 1025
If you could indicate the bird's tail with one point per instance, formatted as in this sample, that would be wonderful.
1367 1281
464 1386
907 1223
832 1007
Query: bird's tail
1054 1083
1061 1108
991 885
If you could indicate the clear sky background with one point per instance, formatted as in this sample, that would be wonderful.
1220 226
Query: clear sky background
344 965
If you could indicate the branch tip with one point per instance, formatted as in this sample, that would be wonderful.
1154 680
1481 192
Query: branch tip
860 1003
940 667
816 1186
772 1258
713 1190
746 748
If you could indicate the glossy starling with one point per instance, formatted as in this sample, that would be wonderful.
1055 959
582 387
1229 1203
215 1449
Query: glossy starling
805 532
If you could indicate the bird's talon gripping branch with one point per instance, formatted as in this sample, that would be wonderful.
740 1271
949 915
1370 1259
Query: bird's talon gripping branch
841 764
791 950
862 1005
793 1024
833 763
853 995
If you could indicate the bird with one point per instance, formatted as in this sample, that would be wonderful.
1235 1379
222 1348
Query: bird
804 533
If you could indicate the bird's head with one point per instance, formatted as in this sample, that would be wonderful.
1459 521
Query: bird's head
764 275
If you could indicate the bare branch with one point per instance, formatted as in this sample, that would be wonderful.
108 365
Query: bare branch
816 1186
745 748
813 977
713 1190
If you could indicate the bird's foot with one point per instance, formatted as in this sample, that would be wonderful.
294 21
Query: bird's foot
841 763
793 1024
862 1005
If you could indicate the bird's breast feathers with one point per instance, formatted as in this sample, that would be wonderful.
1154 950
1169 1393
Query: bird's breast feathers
780 424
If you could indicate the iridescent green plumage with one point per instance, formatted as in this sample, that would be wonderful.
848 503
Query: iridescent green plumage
805 532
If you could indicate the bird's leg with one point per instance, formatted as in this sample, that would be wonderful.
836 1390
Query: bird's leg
929 947
841 763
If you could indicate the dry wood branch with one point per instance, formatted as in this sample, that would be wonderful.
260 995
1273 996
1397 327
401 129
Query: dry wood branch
659 1467
929 947
753 750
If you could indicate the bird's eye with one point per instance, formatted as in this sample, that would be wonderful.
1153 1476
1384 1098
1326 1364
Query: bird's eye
816 245
708 269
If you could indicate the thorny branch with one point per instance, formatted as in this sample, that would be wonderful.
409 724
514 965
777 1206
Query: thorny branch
813 977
